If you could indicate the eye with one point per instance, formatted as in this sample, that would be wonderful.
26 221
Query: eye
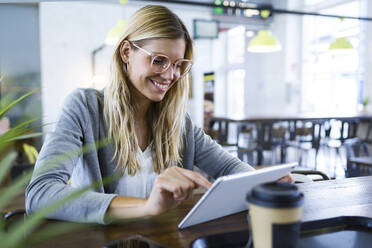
157 61
160 60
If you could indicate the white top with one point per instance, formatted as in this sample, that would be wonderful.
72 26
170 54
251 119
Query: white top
141 183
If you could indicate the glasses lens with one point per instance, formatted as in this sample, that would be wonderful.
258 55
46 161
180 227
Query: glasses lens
160 63
183 67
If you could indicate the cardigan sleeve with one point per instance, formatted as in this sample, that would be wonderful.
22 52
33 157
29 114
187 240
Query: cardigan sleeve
51 184
212 158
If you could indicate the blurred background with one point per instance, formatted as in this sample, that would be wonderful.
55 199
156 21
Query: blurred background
252 58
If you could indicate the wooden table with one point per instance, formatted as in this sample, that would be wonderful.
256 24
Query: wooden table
17 203
326 199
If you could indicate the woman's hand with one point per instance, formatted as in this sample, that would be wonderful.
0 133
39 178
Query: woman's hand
173 186
287 179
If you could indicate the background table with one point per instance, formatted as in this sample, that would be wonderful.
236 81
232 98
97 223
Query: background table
264 127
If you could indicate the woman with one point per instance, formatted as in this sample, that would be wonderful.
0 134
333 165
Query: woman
143 110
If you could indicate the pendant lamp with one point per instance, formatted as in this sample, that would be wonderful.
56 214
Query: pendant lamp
264 42
114 33
341 44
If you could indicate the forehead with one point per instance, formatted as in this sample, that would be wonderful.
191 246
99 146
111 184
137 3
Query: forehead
173 48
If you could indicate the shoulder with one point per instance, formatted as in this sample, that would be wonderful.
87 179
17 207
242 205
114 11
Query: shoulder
84 96
84 99
192 131
189 127
188 122
83 105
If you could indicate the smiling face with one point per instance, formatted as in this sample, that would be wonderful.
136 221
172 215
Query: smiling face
150 85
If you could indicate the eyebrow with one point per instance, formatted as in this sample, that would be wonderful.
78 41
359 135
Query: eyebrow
155 53
160 53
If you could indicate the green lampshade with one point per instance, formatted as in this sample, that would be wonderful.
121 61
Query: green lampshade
341 44
114 33
264 42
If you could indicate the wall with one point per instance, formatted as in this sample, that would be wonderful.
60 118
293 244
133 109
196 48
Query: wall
265 74
20 59
70 31
19 39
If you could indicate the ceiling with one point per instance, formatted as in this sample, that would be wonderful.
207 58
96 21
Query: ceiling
248 1
276 3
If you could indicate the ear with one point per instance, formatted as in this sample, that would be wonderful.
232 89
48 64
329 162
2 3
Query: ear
125 49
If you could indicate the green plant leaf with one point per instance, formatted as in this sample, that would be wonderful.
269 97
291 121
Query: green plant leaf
16 133
2 226
30 152
25 228
8 193
6 164
365 101
27 136
15 188
7 99
4 110
57 229
13 132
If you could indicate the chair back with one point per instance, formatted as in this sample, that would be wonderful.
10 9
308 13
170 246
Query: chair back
305 176
355 148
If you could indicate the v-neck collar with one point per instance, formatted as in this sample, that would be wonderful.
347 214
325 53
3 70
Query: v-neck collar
148 149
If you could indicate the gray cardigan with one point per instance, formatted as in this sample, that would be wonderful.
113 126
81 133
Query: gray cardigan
82 122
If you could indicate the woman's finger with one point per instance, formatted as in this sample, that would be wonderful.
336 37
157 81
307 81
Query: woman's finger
196 178
286 179
175 183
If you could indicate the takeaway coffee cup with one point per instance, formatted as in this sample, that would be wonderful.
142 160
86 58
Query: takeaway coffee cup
275 215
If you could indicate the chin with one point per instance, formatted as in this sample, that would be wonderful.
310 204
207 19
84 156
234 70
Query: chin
157 98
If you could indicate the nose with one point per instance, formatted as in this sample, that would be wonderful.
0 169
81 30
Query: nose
170 73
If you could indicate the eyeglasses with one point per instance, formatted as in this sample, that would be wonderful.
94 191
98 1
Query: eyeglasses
160 63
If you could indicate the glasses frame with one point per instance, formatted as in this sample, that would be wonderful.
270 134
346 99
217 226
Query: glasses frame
153 55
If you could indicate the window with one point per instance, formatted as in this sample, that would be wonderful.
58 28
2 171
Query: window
235 70
236 45
235 92
331 80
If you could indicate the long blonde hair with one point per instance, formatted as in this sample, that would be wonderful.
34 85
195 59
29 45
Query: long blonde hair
150 22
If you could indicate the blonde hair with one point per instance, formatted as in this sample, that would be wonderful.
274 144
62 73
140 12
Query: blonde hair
150 22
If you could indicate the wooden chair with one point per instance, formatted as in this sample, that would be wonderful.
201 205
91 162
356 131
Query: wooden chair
342 131
258 138
305 176
13 216
305 137
358 159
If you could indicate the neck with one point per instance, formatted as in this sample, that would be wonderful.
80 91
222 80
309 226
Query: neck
142 110
141 106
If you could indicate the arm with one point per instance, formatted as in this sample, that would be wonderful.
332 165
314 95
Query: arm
173 186
212 158
49 186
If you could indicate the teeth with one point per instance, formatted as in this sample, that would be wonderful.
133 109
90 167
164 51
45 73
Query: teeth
161 86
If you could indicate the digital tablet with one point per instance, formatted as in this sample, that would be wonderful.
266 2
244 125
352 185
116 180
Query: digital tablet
227 194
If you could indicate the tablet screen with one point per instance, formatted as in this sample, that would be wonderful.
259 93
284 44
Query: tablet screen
227 194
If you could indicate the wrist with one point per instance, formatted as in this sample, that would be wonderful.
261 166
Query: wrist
123 207
147 208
